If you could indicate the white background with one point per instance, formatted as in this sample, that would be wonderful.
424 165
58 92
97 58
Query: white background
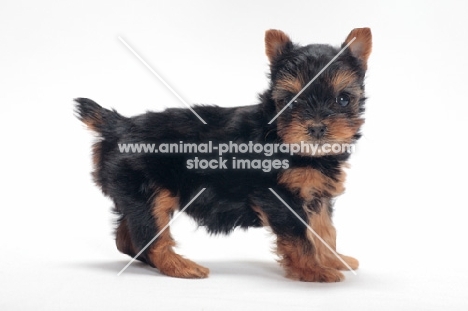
403 215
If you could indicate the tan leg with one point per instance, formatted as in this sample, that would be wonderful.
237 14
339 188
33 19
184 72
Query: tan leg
297 257
161 253
322 225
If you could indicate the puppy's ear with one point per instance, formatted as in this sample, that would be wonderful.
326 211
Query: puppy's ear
361 46
276 43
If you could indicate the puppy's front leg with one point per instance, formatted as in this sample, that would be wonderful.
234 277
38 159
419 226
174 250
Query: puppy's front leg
297 251
320 221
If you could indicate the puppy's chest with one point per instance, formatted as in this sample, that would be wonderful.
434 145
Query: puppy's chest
311 184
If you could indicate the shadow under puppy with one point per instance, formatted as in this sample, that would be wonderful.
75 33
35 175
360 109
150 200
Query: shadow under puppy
147 188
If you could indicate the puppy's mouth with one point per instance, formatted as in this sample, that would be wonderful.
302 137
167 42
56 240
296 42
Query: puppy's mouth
320 139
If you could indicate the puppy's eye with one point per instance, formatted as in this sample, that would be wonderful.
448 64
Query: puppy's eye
343 100
292 104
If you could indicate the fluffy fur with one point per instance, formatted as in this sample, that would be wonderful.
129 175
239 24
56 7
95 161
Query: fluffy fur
147 188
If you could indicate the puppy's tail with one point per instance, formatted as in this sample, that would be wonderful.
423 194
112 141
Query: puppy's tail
106 123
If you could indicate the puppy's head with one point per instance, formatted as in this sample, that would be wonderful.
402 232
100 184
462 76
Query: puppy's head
319 104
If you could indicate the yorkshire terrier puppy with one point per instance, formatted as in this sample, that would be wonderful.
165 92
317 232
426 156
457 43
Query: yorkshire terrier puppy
148 186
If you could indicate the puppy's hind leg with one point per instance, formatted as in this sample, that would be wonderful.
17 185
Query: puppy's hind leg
161 253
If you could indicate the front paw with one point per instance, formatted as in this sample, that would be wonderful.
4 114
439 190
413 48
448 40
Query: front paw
334 262
351 261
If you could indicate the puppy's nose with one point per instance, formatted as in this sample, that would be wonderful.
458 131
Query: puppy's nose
317 131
